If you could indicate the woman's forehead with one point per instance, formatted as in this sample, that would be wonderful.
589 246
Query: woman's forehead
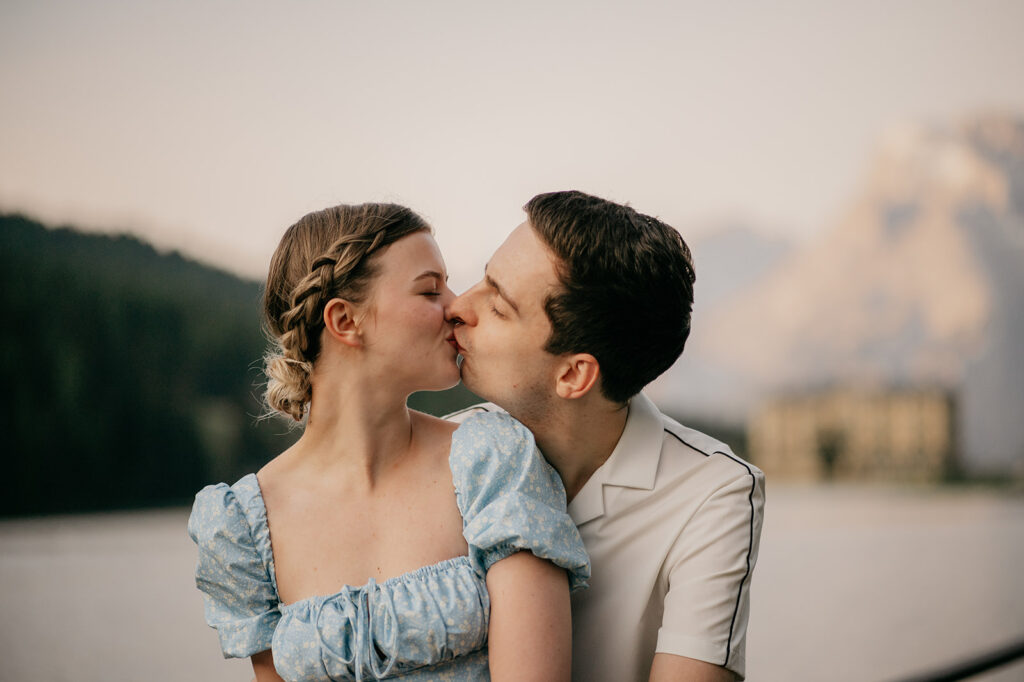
413 256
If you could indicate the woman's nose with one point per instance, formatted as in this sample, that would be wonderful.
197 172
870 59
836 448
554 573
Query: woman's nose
447 296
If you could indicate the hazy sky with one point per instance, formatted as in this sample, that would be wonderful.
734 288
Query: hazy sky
211 126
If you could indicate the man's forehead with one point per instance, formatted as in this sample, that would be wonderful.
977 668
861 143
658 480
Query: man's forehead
523 267
523 246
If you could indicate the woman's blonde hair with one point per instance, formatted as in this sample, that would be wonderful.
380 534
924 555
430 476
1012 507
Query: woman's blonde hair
326 254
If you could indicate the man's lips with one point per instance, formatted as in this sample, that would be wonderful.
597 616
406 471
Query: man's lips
454 342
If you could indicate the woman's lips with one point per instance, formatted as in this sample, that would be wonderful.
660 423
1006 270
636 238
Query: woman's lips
455 344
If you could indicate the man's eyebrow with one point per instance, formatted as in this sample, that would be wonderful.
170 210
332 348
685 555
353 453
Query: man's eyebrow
501 292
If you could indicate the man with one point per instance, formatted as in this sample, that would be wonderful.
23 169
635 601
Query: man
583 305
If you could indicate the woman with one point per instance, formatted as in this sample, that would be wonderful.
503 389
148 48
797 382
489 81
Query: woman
385 542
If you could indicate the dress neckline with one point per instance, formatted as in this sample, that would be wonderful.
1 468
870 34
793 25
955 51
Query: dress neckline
453 563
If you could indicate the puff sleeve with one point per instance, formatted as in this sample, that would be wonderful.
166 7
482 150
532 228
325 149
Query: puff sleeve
511 499
239 595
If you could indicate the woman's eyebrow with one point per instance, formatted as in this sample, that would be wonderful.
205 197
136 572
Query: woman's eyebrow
433 274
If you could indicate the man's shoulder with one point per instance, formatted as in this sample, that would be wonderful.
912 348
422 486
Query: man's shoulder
465 413
685 442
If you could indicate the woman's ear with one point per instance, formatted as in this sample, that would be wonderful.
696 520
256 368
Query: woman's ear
340 323
578 374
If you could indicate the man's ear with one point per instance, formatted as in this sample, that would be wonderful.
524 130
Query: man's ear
577 375
339 322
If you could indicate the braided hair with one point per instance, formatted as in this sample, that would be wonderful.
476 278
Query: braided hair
326 254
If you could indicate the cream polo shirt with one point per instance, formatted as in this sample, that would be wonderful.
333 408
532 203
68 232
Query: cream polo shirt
672 522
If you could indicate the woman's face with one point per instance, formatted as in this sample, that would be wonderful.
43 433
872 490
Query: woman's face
404 330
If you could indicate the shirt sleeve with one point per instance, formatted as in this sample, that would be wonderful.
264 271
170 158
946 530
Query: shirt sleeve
511 499
238 593
709 571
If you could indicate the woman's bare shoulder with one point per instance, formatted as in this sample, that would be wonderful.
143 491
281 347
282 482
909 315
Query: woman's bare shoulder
433 426
277 471
435 437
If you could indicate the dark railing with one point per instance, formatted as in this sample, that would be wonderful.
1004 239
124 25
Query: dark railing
973 666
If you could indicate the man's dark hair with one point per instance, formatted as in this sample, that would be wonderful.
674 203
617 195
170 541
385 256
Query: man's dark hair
627 287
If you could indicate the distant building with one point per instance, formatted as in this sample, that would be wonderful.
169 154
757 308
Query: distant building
855 434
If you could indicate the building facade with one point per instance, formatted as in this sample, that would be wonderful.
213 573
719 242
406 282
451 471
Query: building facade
855 434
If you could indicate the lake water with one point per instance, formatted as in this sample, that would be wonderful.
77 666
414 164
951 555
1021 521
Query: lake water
852 584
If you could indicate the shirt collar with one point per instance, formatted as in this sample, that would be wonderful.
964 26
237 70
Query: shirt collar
632 464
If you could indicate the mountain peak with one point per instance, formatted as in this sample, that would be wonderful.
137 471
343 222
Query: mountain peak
948 164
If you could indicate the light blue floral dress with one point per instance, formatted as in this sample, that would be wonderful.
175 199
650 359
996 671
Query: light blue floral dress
429 624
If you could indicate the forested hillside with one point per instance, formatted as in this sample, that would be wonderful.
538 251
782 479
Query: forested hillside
130 377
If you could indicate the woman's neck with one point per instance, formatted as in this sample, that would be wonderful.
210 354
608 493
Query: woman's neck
357 426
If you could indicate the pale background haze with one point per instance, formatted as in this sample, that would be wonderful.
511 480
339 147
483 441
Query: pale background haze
210 127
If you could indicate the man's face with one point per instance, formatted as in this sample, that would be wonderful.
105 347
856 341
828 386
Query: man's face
504 327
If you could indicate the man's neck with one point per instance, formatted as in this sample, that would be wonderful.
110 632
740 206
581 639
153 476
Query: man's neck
578 437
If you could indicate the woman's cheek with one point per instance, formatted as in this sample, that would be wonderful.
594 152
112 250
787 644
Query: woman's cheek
422 316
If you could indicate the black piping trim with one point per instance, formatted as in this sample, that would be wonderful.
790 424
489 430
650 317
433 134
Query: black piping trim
467 409
750 545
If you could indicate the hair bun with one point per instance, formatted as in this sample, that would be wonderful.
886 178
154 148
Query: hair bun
288 386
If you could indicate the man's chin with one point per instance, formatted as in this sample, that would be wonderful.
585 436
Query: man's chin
469 380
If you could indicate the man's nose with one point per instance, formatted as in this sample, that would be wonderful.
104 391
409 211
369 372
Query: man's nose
460 310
